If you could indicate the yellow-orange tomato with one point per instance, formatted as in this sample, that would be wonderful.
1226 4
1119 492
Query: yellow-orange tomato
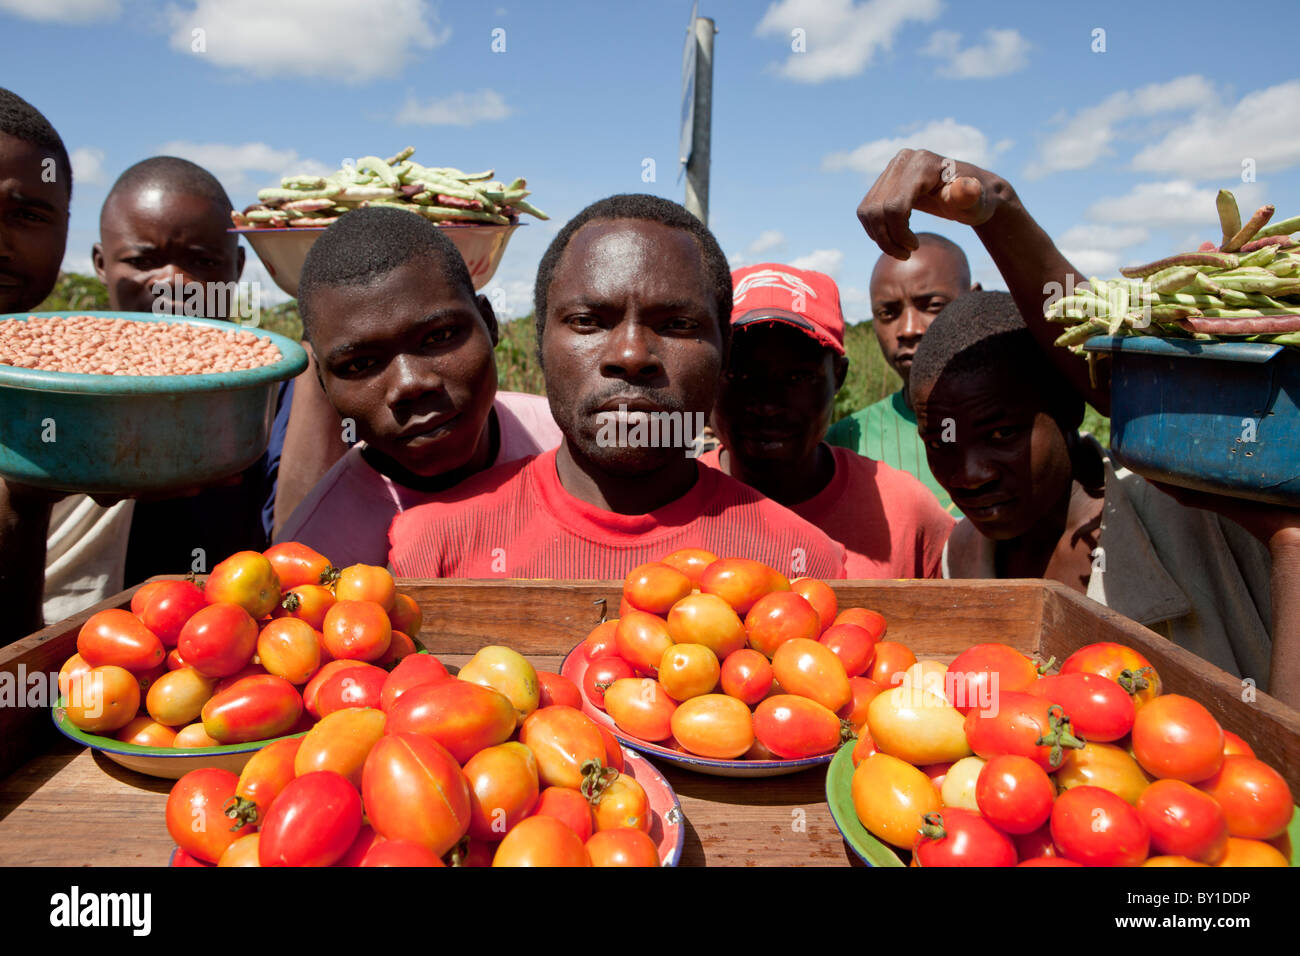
688 670
341 742
73 669
622 847
289 648
819 594
504 787
747 675
917 726
622 804
890 797
959 783
243 852
641 639
563 740
1102 765
366 582
245 578
541 841
192 736
641 707
873 621
809 669
928 676
1255 798
507 672
655 587
178 696
1171 861
713 725
104 699
691 562
356 630
780 617
144 731
740 582
709 620
1243 852
307 602
891 658
406 615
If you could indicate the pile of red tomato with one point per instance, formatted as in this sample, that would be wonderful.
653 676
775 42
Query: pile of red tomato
246 657
987 763
495 766
725 658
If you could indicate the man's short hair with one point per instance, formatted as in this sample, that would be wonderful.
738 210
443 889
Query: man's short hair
983 331
21 120
366 244
648 209
173 174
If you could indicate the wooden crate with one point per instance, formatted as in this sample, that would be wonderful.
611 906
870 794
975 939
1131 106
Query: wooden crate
63 805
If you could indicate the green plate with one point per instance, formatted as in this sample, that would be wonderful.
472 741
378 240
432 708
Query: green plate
839 795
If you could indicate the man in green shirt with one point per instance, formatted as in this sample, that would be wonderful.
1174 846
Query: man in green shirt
906 295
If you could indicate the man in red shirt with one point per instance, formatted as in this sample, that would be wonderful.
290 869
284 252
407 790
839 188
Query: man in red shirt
631 302
787 362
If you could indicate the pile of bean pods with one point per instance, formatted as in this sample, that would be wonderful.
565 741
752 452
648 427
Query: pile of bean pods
1246 288
440 193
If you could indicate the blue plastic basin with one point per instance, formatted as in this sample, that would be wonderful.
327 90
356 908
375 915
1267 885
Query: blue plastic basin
1220 416
133 434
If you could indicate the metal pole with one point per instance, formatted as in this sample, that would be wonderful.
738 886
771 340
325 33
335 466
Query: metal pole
697 168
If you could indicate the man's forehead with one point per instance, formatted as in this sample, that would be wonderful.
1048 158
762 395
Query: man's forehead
161 213
930 268
29 170
606 257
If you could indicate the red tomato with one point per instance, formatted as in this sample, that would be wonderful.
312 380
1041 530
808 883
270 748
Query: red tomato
313 822
641 707
983 671
1036 844
1183 821
957 837
503 789
565 742
194 817
641 639
366 838
655 587
341 742
809 669
555 689
406 615
1015 724
601 673
747 675
1176 737
872 621
1048 861
399 646
779 617
169 606
1122 664
328 670
1094 827
622 847
613 749
255 708
289 648
296 564
865 690
412 671
367 582
892 661
1255 798
181 858
351 687
794 727
142 595
144 731
245 578
356 630
250 670
865 746
1234 745
568 806
1100 710
400 853
218 640
307 602
739 581
461 716
174 660
600 642
853 645
1014 794
118 637
820 595
691 562
541 841
415 790
266 774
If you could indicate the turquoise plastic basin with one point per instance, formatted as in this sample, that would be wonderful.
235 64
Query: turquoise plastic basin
136 434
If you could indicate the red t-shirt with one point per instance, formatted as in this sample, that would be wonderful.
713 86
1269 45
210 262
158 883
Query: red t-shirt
890 524
518 521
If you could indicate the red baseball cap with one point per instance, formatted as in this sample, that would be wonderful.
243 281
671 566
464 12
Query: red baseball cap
771 292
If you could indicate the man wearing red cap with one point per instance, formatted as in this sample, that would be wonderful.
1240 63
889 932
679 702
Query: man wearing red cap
787 362
632 299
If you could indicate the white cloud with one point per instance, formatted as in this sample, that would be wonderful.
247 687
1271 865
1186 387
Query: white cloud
1176 203
1089 134
78 262
1263 126
457 109
767 240
1103 236
1002 52
1092 262
337 40
245 167
88 166
946 137
840 37
63 11
821 260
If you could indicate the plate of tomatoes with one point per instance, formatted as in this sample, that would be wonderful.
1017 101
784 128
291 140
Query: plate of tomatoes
989 762
725 667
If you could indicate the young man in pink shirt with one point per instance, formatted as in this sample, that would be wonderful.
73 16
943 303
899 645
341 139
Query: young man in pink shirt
404 350
778 394
632 299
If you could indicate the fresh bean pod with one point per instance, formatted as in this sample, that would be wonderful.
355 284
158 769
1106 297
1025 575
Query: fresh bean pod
1247 232
1229 215
1221 260
1283 228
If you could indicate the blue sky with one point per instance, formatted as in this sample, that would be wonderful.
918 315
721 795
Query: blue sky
1118 152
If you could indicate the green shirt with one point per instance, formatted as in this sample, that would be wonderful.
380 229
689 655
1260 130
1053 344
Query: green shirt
886 431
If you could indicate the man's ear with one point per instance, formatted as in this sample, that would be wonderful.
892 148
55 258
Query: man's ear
976 287
841 370
489 318
97 258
